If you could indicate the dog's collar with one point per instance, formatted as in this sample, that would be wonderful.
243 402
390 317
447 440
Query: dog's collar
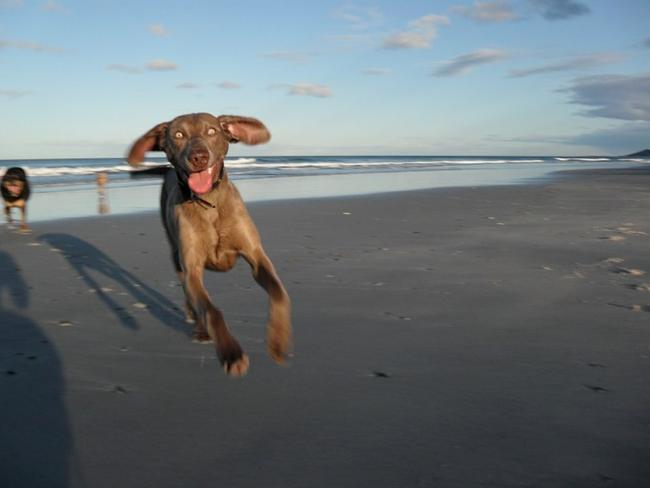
204 203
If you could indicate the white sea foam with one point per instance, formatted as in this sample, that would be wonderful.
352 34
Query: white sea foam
240 161
351 164
263 166
586 160
85 170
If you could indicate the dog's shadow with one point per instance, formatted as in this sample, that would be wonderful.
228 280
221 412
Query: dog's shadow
87 260
36 440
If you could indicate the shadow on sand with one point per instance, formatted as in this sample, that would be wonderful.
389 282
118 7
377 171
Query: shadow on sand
36 441
87 260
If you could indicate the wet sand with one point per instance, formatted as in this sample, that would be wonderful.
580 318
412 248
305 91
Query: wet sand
460 337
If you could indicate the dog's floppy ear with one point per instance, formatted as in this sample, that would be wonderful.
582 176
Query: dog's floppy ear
245 129
151 141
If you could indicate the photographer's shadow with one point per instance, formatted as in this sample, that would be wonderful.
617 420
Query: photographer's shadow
86 259
36 440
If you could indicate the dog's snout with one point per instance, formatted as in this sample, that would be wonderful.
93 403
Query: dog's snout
199 157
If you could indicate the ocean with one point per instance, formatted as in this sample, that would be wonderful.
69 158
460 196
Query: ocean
64 188
54 172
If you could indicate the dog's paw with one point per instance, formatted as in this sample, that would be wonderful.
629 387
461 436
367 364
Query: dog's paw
233 359
200 335
237 368
201 339
279 343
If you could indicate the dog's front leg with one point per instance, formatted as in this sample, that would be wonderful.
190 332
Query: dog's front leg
8 214
23 218
278 331
230 353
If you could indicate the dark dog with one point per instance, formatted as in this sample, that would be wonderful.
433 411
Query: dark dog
208 225
15 193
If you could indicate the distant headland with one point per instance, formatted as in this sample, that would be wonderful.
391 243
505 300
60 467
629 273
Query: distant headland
641 154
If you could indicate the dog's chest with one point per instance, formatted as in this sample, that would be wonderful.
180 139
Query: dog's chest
20 203
206 236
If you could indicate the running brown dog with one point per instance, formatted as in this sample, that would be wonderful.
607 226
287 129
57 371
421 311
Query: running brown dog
15 193
208 226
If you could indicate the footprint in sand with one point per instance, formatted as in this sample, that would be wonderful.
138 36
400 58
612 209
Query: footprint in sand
639 286
400 317
634 308
614 238
612 261
629 271
630 231
380 374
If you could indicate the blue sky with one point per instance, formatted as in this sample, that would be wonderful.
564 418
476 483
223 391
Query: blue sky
463 77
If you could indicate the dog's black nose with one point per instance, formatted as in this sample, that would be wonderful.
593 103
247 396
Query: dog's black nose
199 157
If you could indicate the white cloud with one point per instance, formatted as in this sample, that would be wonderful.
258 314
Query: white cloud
465 63
229 85
155 65
188 85
421 33
358 17
622 97
161 65
14 93
560 9
310 90
377 71
305 89
495 11
29 46
577 63
158 30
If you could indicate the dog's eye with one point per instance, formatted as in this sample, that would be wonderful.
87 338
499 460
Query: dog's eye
179 135
212 131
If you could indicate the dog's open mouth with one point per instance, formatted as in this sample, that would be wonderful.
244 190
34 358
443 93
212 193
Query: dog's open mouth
201 181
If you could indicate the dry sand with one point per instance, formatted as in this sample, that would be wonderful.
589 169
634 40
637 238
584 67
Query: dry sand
486 337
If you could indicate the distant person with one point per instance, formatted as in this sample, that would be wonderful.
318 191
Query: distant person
102 206
15 193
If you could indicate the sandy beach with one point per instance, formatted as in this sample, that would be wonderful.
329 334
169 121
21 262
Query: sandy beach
458 337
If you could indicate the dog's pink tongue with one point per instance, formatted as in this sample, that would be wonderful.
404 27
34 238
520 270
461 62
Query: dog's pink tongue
200 182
